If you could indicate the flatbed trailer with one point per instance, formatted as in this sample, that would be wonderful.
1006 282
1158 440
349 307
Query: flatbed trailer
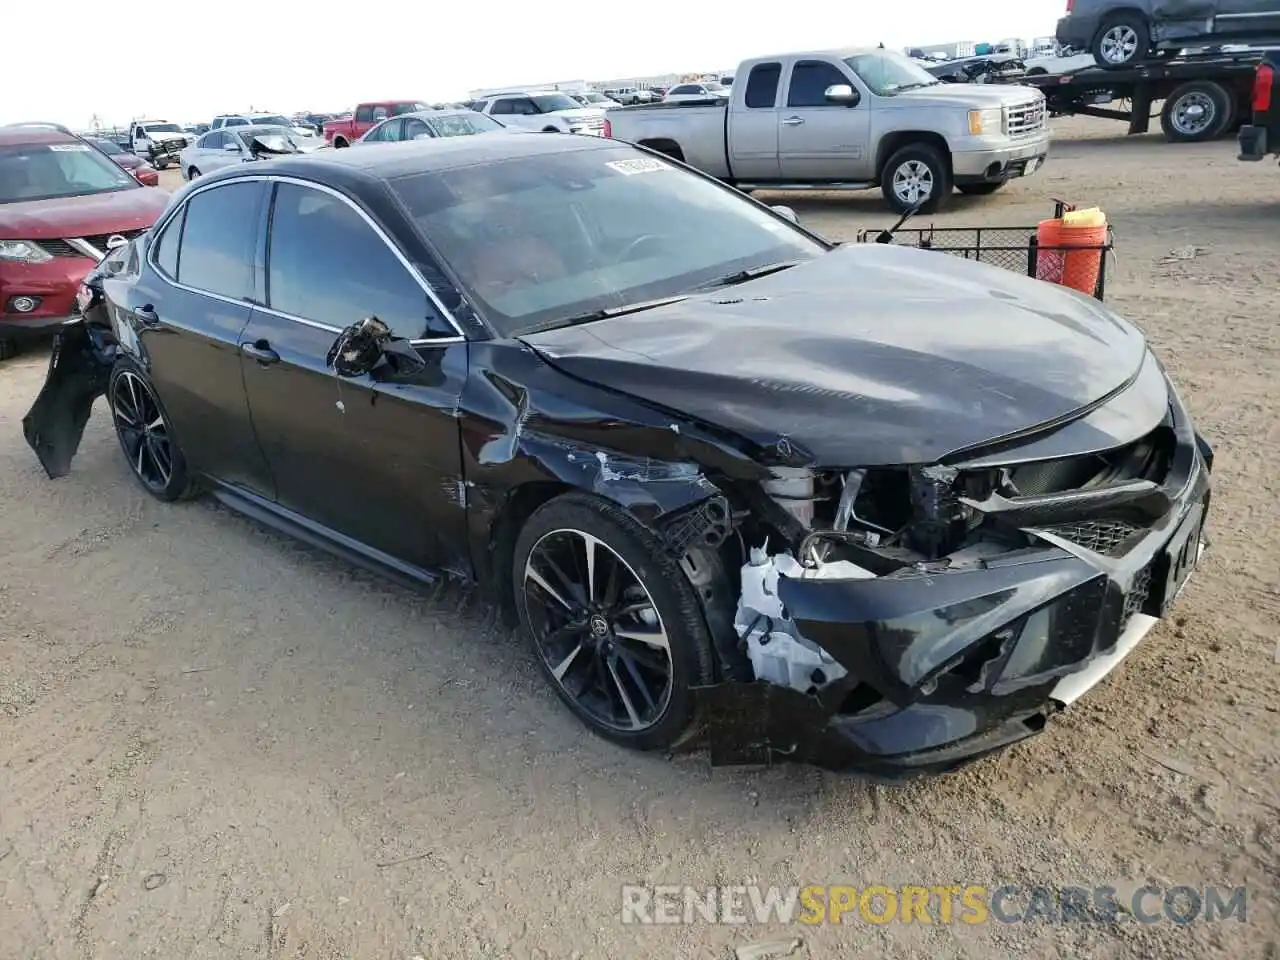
1206 95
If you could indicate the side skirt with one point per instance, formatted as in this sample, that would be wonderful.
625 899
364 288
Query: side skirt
295 525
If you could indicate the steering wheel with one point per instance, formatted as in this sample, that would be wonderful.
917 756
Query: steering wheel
630 249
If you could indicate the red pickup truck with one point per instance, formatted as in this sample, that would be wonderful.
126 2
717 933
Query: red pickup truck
346 131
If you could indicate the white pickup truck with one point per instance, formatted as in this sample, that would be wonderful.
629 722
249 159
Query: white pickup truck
850 120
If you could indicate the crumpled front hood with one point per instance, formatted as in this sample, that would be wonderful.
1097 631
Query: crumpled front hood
133 208
873 354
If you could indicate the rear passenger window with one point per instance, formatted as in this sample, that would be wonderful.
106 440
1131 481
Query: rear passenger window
762 85
809 82
167 245
218 239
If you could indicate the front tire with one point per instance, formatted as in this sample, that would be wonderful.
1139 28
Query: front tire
142 427
1122 41
917 173
193 173
613 620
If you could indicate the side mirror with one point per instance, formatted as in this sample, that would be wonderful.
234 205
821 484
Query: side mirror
232 147
365 346
786 212
841 93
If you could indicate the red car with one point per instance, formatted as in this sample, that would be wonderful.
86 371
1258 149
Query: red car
63 204
147 175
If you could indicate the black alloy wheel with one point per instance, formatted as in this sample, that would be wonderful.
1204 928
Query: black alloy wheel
615 622
144 434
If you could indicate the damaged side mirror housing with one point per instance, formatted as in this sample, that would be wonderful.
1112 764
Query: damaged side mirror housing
369 346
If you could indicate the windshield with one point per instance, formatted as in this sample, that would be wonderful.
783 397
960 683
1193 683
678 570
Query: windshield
548 102
162 128
463 124
541 239
273 119
887 73
400 108
107 147
42 171
595 98
716 87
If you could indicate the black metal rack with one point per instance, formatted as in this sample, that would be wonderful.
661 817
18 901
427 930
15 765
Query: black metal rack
1013 248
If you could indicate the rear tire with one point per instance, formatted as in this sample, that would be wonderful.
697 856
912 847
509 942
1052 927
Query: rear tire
1122 41
634 692
8 349
339 143
1197 111
979 189
142 427
916 171
193 173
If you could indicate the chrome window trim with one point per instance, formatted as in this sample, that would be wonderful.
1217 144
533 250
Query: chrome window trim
280 178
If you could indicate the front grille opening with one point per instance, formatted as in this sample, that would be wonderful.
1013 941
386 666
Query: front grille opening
1146 459
1111 538
1136 599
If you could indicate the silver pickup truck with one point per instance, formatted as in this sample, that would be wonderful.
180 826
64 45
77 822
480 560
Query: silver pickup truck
850 120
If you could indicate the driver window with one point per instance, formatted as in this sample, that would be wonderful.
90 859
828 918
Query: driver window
315 237
809 82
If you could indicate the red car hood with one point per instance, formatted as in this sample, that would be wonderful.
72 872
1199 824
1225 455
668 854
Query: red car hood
82 216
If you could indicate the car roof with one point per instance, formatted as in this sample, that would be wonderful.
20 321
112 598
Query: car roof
23 133
391 161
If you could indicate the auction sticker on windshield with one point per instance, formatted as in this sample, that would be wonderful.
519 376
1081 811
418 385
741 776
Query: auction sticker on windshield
69 147
639 165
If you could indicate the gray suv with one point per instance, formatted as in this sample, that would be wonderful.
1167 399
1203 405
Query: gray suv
1123 33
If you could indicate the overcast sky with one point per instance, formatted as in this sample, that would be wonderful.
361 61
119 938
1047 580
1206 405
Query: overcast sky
186 62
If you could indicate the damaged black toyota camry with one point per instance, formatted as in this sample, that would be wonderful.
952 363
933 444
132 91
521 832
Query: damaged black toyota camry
867 507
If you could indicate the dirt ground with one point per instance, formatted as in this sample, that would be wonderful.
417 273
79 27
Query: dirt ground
215 742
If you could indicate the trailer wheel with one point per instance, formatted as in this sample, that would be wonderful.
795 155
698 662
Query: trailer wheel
1196 111
1122 41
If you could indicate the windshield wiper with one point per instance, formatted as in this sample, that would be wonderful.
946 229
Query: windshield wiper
915 85
751 273
607 312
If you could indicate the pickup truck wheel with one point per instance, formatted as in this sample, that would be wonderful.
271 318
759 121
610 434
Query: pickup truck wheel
339 143
1197 111
1122 41
193 173
916 174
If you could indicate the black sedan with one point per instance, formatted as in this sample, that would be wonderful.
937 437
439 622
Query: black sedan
865 506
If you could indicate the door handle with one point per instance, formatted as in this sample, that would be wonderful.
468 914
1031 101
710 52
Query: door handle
793 121
147 315
260 351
